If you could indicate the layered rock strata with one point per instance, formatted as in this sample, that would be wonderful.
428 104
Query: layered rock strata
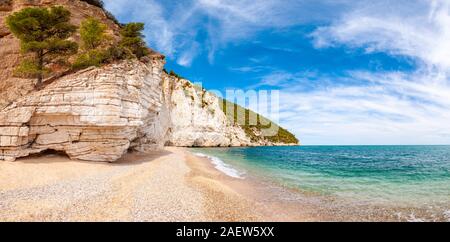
197 119
96 115
12 87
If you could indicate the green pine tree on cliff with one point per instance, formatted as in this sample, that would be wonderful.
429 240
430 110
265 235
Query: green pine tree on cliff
93 36
43 33
92 33
133 39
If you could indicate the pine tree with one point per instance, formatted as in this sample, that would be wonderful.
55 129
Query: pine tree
94 40
44 33
133 39
92 33
98 3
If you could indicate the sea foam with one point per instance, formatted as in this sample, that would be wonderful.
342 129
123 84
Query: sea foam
447 215
222 166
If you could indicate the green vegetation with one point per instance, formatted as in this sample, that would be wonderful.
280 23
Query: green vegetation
42 32
100 4
92 33
187 84
97 3
114 53
174 74
111 17
97 52
44 36
252 131
90 58
133 39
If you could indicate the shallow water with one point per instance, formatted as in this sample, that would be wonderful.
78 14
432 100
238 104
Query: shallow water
409 183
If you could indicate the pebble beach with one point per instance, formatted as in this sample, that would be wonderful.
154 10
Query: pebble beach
169 186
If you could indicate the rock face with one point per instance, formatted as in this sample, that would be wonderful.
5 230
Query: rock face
11 87
197 119
98 114
94 115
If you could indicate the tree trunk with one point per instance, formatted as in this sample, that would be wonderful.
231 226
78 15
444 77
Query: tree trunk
40 57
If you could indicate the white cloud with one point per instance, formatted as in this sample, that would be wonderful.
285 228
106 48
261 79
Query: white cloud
386 108
423 34
173 26
296 81
185 59
158 30
359 108
380 108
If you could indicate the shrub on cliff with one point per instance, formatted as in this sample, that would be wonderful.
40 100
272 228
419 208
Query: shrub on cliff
96 49
89 58
92 33
100 4
114 53
174 74
43 33
97 3
133 39
242 117
95 53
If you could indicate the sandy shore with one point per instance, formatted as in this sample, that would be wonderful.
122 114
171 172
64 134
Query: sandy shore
172 185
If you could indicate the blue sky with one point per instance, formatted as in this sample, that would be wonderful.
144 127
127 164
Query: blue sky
349 72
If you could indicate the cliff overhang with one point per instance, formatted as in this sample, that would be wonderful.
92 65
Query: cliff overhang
95 115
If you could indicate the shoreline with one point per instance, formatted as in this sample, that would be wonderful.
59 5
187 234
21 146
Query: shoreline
241 196
172 185
271 201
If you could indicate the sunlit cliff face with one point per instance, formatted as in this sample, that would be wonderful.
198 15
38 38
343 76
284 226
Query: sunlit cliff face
350 104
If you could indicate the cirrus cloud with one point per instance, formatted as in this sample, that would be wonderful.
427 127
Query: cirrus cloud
357 107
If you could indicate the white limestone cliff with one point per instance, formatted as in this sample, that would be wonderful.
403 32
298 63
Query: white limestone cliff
100 113
96 114
197 120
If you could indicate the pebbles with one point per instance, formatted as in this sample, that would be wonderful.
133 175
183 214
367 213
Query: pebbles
145 188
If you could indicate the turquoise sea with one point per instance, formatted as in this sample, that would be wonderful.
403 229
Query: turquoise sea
409 183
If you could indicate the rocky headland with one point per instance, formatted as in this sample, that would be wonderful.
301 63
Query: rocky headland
100 113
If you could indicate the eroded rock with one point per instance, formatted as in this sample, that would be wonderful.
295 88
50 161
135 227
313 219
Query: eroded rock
98 114
197 119
95 115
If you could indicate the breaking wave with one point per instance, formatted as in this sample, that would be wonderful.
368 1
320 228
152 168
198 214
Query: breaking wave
222 166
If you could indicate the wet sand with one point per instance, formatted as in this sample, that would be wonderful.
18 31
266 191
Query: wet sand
172 185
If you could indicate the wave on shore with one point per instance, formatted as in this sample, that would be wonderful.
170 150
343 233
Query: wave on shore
354 183
222 166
